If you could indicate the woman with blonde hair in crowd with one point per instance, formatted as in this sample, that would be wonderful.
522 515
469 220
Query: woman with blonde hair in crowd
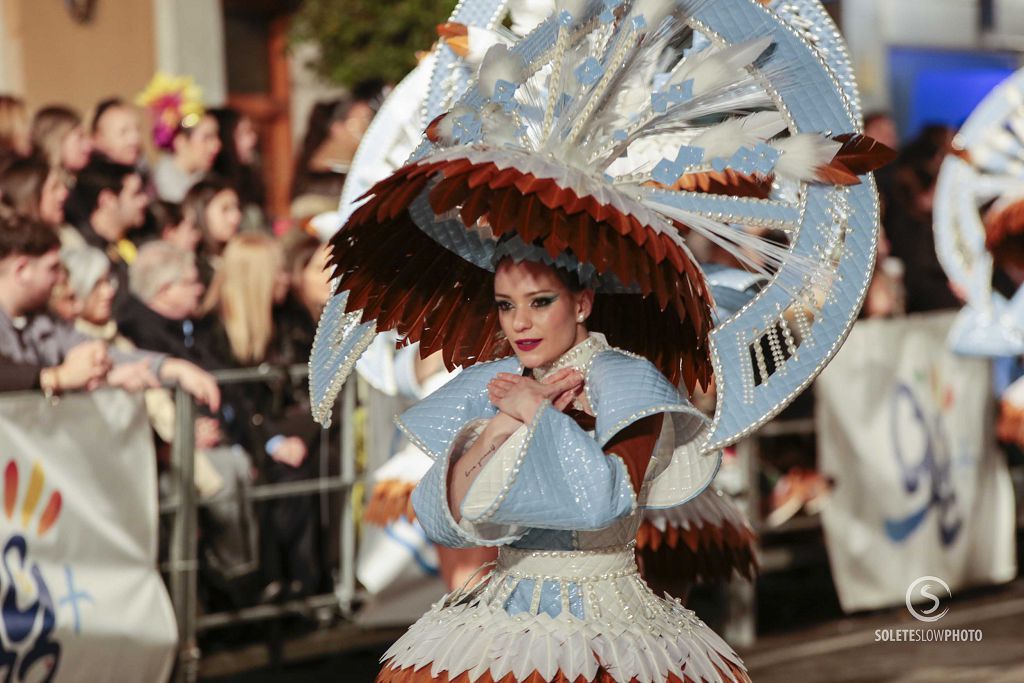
250 282
59 136
14 138
272 422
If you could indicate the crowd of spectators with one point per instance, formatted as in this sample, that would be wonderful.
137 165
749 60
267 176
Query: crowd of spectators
146 272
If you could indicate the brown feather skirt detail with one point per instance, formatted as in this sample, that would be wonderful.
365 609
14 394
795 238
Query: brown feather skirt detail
702 553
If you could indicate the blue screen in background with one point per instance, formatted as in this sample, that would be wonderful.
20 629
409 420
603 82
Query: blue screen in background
941 86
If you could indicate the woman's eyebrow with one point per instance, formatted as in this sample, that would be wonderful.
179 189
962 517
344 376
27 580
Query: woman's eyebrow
499 295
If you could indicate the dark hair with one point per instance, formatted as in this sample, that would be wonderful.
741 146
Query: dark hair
244 177
99 175
21 235
187 131
21 185
318 128
199 197
571 279
102 107
166 214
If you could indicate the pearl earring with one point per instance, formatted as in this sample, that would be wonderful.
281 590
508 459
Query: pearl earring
579 318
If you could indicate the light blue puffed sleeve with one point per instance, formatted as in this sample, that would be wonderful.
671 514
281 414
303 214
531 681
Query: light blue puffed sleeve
550 474
430 500
433 423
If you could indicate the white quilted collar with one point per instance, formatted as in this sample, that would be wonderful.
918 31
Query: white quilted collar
577 357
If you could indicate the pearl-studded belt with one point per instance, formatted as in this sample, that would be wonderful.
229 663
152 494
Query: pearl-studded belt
571 565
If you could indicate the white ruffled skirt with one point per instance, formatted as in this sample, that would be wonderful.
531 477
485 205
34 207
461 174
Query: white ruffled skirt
561 616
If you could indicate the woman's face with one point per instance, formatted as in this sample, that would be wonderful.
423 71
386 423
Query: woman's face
539 314
246 140
119 136
75 149
223 216
98 306
198 149
185 235
315 281
51 199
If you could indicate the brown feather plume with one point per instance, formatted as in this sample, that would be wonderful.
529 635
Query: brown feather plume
406 281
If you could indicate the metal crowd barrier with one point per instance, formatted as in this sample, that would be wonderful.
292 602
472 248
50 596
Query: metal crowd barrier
182 506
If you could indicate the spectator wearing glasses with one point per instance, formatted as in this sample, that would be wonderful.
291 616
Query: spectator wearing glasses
162 312
92 287
30 267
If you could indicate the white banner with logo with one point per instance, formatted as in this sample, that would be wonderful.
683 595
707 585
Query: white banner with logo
905 428
80 593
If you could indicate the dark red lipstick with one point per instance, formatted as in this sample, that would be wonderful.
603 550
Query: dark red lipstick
527 344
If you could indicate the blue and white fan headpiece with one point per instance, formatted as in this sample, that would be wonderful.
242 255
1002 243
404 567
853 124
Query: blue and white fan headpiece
636 125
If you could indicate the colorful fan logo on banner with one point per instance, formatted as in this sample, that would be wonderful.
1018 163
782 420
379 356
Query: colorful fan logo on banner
29 650
29 614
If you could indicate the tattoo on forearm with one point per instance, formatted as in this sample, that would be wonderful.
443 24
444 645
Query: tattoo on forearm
480 463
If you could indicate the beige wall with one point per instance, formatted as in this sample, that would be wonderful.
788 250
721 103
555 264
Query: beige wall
58 60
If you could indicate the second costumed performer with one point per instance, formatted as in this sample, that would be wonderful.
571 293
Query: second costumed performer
526 246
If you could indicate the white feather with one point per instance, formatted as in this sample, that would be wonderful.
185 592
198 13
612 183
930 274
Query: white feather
481 40
713 68
803 154
526 14
724 139
499 127
653 11
446 126
499 64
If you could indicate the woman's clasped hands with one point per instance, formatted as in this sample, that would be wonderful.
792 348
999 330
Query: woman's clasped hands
520 397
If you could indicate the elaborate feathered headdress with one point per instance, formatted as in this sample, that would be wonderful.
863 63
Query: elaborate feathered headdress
174 102
599 143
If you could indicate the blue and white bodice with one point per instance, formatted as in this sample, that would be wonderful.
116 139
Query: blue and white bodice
551 486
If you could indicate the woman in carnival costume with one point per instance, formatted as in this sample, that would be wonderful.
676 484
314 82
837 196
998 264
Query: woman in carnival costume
708 540
530 246
979 237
